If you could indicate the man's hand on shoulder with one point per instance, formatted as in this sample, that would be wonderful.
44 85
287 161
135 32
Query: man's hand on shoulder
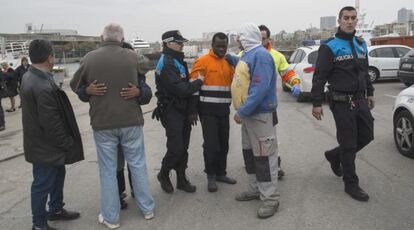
131 92
96 89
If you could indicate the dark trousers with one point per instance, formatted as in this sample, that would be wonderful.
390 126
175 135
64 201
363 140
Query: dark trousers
216 143
354 130
47 181
177 130
1 115
120 172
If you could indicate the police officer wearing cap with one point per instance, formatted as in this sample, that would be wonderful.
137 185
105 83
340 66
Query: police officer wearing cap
174 91
343 63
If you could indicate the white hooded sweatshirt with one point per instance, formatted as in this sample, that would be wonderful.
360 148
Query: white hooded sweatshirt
249 36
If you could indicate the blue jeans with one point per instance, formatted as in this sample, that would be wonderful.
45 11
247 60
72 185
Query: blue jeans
47 180
132 141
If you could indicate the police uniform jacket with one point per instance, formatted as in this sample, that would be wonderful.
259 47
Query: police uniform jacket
343 63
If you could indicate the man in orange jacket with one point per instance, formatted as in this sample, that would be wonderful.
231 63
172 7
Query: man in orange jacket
212 104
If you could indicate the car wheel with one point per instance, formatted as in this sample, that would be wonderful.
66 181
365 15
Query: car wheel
373 74
407 84
403 133
285 87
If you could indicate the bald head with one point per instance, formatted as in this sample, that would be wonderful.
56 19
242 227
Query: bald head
113 33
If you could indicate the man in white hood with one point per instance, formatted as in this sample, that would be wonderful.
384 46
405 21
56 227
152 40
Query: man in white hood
254 98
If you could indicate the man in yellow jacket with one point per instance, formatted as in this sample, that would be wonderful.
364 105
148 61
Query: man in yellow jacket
288 75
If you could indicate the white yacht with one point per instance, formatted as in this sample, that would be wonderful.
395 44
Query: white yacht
138 43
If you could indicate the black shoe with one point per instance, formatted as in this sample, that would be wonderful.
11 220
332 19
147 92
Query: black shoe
211 185
184 184
357 193
64 215
335 163
46 227
2 128
122 196
164 179
226 179
280 174
124 204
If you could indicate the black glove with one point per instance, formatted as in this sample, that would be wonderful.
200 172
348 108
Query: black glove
156 114
192 119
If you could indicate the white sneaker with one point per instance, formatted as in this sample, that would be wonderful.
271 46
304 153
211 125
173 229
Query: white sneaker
149 216
110 226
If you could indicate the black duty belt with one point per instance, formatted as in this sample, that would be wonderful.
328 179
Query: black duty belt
344 97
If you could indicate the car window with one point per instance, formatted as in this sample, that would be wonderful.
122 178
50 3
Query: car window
411 52
312 57
401 51
384 52
372 53
299 57
292 58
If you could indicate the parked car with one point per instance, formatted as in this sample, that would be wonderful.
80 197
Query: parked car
406 70
384 60
403 120
303 62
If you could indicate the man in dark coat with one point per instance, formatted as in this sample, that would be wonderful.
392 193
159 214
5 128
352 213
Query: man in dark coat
3 92
51 136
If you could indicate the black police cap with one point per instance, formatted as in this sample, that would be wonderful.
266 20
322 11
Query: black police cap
173 35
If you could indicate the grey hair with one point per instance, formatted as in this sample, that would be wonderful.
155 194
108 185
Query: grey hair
113 33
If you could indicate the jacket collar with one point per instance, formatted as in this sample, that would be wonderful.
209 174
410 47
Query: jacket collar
40 73
111 44
175 54
345 36
211 53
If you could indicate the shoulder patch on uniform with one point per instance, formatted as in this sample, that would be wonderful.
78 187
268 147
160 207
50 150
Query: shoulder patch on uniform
323 42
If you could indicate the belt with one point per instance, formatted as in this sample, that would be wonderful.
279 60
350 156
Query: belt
344 97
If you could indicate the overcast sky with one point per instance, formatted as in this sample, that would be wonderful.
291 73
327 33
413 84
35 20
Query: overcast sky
148 19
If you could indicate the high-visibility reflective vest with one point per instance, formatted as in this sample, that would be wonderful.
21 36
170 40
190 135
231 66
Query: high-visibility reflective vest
214 95
287 74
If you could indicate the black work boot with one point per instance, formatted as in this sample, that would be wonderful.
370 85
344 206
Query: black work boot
164 179
356 192
183 183
212 185
280 172
335 162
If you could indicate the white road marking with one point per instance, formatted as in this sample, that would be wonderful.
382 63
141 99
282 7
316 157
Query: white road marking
391 96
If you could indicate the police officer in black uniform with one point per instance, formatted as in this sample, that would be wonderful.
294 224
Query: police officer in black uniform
343 63
173 93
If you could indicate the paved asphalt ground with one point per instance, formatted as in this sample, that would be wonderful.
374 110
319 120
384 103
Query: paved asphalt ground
311 196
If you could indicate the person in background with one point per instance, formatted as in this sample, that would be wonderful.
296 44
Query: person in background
11 84
20 71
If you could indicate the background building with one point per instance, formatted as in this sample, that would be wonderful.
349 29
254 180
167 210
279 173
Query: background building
327 22
405 15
